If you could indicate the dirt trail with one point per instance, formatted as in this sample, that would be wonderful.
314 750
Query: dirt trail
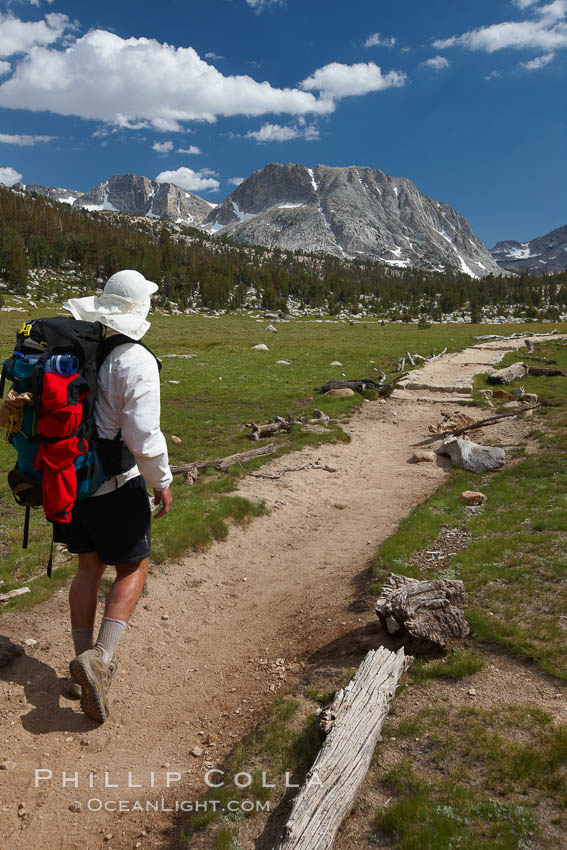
202 656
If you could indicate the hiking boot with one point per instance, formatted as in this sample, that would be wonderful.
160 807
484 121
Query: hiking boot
94 677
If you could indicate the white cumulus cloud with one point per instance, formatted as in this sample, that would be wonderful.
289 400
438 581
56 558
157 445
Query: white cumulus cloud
277 133
547 31
23 140
192 149
5 68
377 40
436 63
236 181
136 82
18 36
523 4
192 181
9 176
162 147
213 56
538 62
336 80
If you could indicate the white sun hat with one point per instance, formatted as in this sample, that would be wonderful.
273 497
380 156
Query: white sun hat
130 284
122 307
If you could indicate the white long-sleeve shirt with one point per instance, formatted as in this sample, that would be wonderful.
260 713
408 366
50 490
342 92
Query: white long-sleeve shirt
128 400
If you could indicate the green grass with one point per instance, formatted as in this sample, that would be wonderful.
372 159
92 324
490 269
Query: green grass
515 567
432 816
493 778
208 414
460 663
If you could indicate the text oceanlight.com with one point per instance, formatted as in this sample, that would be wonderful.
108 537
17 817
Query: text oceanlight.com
94 804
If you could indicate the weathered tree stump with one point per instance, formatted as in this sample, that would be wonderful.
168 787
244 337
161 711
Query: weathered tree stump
506 376
426 615
351 727
471 456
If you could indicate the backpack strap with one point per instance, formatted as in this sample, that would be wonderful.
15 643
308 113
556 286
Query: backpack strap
3 378
116 457
109 343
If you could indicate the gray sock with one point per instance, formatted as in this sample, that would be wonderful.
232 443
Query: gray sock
82 640
108 637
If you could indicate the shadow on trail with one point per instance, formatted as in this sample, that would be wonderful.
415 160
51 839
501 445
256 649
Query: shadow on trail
42 690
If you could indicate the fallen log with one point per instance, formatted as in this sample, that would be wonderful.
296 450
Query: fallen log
5 597
511 373
543 372
519 335
482 423
267 430
471 456
224 462
355 720
275 475
426 615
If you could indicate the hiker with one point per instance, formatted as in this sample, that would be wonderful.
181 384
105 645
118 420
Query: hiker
112 527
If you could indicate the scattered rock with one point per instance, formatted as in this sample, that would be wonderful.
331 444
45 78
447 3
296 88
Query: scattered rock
318 414
174 382
260 347
502 394
272 329
342 393
75 807
7 765
487 393
175 440
512 373
197 752
471 456
336 363
30 642
165 616
422 457
471 692
283 363
473 497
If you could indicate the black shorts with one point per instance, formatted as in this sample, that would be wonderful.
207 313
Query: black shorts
115 525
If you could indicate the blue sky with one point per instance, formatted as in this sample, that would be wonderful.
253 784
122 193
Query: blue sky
465 99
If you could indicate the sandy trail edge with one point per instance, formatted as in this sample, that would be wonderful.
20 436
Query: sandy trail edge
200 653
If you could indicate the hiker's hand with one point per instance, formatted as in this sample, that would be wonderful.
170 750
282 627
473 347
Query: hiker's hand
163 498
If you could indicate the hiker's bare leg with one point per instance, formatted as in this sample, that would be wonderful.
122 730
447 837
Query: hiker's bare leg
126 590
83 592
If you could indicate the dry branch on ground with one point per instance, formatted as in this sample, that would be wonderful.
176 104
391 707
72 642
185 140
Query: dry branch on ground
355 720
